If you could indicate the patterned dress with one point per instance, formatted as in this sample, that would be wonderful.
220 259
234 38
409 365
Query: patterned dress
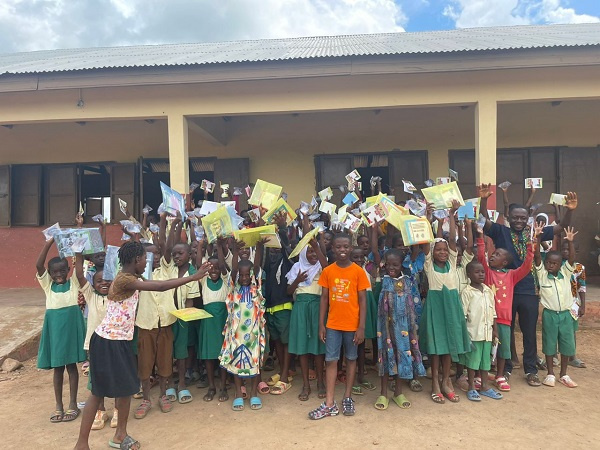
244 342
397 338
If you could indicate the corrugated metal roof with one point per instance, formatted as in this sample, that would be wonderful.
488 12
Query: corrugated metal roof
463 40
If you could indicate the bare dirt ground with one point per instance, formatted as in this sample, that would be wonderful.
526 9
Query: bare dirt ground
526 418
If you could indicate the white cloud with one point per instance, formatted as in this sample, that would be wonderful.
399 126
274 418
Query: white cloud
483 13
45 24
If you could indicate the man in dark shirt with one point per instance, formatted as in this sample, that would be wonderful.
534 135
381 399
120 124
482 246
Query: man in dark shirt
526 298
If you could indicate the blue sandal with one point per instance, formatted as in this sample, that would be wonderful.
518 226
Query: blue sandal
238 404
491 393
171 394
255 403
185 396
473 395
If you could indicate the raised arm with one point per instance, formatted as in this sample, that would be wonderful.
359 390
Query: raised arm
570 237
40 264
165 285
258 254
236 257
469 229
481 251
530 199
505 199
570 206
79 270
485 192
162 233
539 230
374 244
452 234
221 257
521 272
320 255
171 238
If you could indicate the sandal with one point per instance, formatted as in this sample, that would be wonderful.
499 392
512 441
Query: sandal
57 416
549 381
566 380
138 395
238 404
100 420
402 401
165 404
438 398
280 388
324 411
577 363
127 444
533 379
312 375
368 385
541 364
115 419
492 393
348 406
463 383
71 415
477 383
452 396
255 403
415 385
208 397
382 403
357 390
142 410
263 388
202 383
269 365
171 394
223 395
304 394
473 395
322 392
184 396
502 384
273 379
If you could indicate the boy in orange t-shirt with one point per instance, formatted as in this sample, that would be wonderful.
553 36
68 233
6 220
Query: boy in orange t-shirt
344 303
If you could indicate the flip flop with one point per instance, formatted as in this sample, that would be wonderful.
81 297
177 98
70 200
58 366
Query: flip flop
263 388
57 416
401 401
492 393
127 443
280 388
382 403
438 398
181 396
255 403
577 363
71 415
171 394
357 390
452 396
238 404
473 395
368 385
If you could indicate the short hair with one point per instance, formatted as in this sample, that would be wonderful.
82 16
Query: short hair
245 264
328 232
185 245
393 252
129 251
341 236
472 264
513 206
554 253
56 261
362 236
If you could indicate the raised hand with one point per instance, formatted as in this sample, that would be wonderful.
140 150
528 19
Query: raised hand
570 234
454 207
484 190
202 271
302 276
538 228
79 220
571 200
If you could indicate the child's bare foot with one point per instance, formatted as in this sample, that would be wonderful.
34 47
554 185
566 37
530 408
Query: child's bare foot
223 395
303 396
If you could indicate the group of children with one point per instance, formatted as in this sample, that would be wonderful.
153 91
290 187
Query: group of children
436 303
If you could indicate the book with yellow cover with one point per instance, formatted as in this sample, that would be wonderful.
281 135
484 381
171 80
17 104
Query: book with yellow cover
442 195
304 242
189 314
280 205
251 236
217 224
265 194
415 230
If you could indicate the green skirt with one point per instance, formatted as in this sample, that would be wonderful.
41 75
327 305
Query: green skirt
371 321
304 326
62 338
185 334
443 329
210 338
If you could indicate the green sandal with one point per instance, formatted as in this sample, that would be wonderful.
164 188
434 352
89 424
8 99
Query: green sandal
401 401
382 403
368 385
357 390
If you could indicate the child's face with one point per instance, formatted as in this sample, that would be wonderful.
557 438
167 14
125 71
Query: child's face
552 263
101 286
341 249
357 256
311 256
440 252
154 250
476 273
393 266
244 254
59 272
498 259
327 237
363 243
98 259
564 251
215 272
140 263
244 276
181 255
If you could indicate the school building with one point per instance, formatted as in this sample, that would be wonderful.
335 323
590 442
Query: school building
494 104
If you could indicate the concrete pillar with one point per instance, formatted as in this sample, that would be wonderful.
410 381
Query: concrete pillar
178 153
486 124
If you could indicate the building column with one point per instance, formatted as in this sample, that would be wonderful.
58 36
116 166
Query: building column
485 145
179 165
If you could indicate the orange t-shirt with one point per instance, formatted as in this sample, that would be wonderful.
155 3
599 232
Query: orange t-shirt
343 285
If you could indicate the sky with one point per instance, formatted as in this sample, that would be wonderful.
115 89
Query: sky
28 25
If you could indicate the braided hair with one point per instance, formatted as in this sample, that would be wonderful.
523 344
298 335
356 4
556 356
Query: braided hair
129 251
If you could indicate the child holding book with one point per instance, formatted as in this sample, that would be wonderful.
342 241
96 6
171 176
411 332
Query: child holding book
343 303
555 296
